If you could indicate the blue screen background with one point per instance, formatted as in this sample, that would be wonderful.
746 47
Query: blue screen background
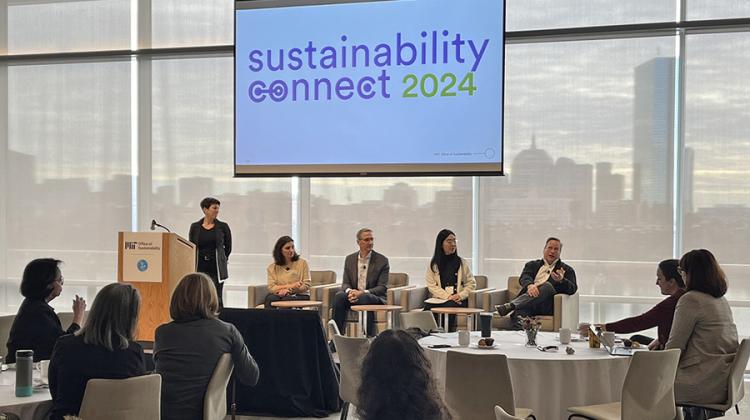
395 130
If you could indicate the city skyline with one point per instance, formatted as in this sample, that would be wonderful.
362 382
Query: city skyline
84 129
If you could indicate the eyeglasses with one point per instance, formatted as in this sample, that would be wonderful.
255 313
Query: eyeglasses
61 280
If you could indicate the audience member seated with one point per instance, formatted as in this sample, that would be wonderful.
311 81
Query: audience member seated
288 274
187 349
449 276
36 326
104 348
540 281
704 330
397 381
670 283
365 281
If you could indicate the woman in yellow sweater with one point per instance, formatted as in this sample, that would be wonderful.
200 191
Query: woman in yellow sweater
288 274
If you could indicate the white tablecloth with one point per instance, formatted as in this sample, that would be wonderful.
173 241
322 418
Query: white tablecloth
546 382
35 407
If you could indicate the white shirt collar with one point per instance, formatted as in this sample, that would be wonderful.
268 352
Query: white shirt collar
550 265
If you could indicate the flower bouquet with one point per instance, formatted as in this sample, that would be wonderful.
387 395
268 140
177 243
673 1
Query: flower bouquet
531 326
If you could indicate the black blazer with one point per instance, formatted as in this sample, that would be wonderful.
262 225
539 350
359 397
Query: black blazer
568 285
377 274
35 327
75 362
223 241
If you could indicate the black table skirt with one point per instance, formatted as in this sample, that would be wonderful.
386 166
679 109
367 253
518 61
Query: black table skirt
297 375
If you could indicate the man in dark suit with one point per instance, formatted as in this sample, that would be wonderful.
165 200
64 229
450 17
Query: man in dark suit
365 281
540 281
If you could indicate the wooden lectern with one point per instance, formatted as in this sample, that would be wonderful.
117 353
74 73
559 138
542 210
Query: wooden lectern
153 263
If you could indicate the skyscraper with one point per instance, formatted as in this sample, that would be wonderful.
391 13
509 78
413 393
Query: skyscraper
653 130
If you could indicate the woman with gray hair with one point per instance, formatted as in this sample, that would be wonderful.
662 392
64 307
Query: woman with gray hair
104 348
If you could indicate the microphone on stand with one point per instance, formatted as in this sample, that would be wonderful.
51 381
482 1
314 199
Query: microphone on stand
154 225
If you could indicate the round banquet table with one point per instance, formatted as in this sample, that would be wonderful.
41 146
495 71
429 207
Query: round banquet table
35 407
546 382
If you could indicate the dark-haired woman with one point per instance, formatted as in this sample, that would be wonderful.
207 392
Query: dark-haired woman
671 284
288 274
213 241
36 326
104 348
449 276
397 381
704 330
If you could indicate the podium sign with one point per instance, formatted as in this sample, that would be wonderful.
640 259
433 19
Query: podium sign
153 262
141 257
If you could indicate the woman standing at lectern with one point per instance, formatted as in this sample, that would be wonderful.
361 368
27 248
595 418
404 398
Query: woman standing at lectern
213 240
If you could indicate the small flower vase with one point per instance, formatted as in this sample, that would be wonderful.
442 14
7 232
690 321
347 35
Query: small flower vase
531 337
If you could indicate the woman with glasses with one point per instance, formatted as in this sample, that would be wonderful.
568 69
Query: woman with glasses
36 326
670 283
703 329
449 279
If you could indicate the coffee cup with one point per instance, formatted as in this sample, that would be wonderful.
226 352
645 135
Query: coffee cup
565 335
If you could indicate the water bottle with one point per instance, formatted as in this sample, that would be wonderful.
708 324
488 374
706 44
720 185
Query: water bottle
24 373
485 319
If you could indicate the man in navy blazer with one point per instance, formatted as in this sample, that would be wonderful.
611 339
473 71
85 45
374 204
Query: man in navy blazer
540 281
365 281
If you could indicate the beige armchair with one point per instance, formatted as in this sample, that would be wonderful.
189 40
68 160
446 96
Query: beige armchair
565 312
256 294
320 280
412 299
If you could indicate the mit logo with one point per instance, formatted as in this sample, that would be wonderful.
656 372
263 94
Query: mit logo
130 245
